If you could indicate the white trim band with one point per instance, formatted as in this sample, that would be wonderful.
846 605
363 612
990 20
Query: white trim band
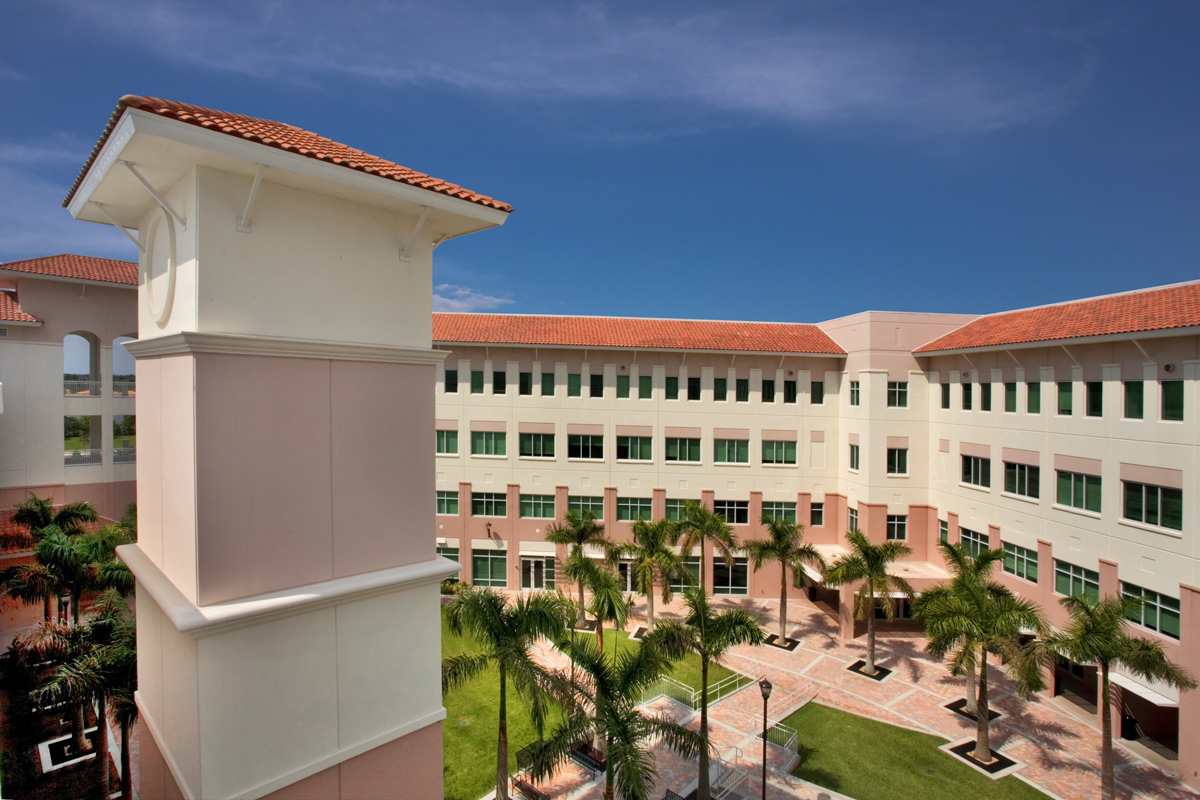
245 345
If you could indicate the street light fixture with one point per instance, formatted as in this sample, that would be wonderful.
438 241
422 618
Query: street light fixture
765 686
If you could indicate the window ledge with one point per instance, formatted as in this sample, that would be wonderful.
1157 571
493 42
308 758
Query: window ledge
635 460
903 475
1020 578
447 455
1142 526
586 460
731 463
490 458
780 466
684 463
975 487
536 458
1036 501
852 471
1080 511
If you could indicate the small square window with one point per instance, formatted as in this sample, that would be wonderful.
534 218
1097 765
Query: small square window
720 389
547 384
693 388
743 390
622 386
854 393
790 391
451 381
768 391
597 384
499 382
1064 398
816 515
672 387
645 387
574 385
525 383
818 393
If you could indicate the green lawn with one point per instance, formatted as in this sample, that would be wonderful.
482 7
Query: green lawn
77 443
871 760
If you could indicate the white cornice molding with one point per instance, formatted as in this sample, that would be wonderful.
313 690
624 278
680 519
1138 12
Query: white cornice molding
201 621
1160 333
690 350
247 345
12 273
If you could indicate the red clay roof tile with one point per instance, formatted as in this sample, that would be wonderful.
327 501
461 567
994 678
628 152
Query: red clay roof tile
10 309
1144 310
282 137
672 334
87 268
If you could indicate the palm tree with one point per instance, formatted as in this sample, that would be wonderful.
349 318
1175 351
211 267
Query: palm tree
576 530
608 602
699 526
786 545
708 635
972 617
37 513
505 632
1098 632
30 583
869 563
651 558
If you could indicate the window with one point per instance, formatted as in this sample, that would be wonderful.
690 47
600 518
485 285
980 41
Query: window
447 443
816 515
1064 398
525 383
731 451
547 384
489 568
897 461
743 390
1022 479
488 443
853 513
574 385
735 512
945 395
450 553
693 388
897 394
596 386
977 471
1157 612
853 456
476 381
779 452
1095 399
537 445
966 396
720 389
450 383
622 386
537 573
855 397
692 566
634 448
1154 505
631 509
780 511
985 397
499 382
790 391
675 509
943 530
447 503
817 395
645 387
581 504
768 391
489 504
1172 401
1010 398
683 450
897 527
1033 398
1071 580
672 388
537 506
730 580
1020 562
584 446
1079 491
1135 396
973 542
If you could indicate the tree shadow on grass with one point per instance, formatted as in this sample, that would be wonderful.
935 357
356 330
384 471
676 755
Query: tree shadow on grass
812 774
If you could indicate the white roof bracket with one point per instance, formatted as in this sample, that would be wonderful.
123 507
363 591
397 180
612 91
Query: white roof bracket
1074 360
158 197
1138 345
100 207
412 237
243 223
968 360
1014 358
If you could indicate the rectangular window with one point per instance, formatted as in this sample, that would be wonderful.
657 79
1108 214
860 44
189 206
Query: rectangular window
489 504
447 443
622 386
853 514
897 527
537 573
634 448
1010 398
945 395
1022 479
683 450
547 384
692 566
1172 401
720 389
855 398
816 515
489 443
499 382
582 504
768 391
1064 398
631 509
476 381
693 388
450 553
537 445
525 383
817 395
897 394
489 568
675 509
574 385
790 391
672 388
450 384
1157 612
447 503
1079 491
584 446
1071 580
1021 562
977 471
1154 505
943 530
1135 397
731 451
966 396
780 511
897 461
730 580
645 387
974 543
985 397
1095 399
743 390
779 452
853 456
1033 398
596 385
734 512
537 506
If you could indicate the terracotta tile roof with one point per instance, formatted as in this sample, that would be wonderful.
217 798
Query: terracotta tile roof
10 309
282 137
87 268
1155 309
673 334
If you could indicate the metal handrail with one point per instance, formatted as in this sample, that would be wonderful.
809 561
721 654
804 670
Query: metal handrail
124 388
74 388
77 458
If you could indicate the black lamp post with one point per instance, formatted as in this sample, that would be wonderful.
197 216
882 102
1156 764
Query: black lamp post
765 686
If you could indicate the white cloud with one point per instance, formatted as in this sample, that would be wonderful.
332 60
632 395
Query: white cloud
449 297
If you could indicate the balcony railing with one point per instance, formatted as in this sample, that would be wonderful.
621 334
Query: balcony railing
124 455
124 389
81 388
79 458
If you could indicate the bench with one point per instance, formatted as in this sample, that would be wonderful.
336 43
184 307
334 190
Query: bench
528 790
588 756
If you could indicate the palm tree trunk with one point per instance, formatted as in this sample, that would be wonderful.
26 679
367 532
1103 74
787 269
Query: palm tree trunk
582 610
1108 786
783 605
46 607
502 742
608 773
983 742
702 568
650 609
102 745
75 606
870 612
702 788
126 767
77 726
599 636
972 704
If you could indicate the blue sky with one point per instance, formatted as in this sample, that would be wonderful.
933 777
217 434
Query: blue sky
773 160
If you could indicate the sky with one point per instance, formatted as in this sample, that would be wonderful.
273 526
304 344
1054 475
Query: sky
787 161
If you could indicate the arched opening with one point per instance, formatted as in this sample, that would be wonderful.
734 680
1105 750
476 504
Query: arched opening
124 368
81 365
